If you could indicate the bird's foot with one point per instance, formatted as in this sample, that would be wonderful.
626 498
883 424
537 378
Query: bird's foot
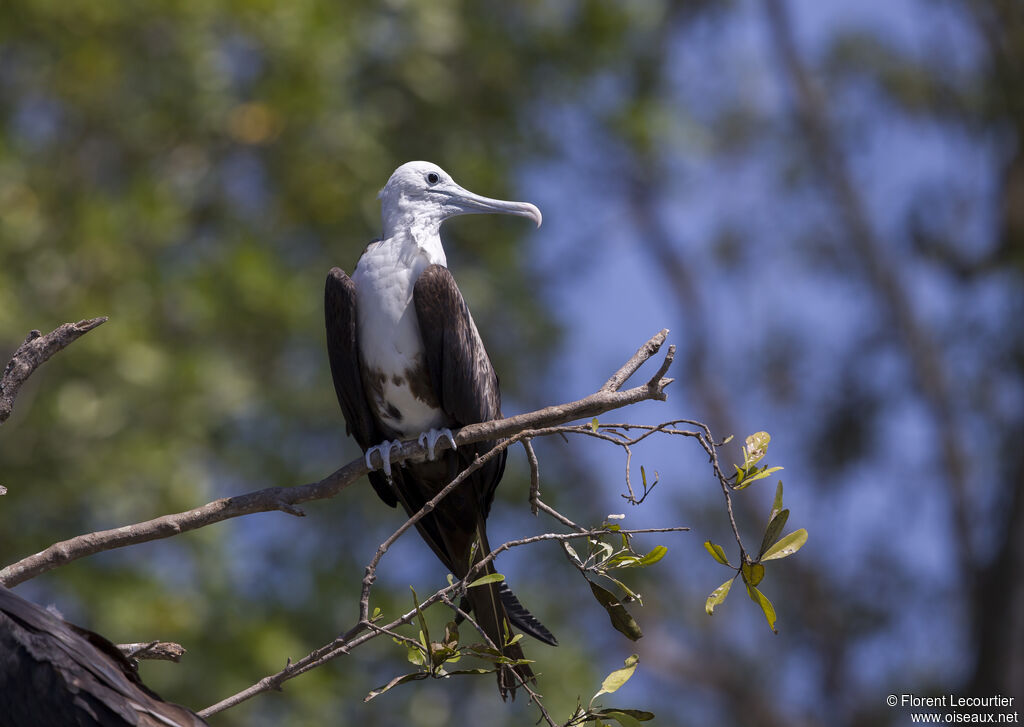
429 440
384 450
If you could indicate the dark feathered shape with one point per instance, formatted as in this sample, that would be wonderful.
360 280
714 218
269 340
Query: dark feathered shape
462 381
343 352
55 674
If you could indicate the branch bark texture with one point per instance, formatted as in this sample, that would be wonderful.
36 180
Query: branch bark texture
33 353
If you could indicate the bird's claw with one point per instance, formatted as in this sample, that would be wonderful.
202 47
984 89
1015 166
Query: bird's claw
384 450
430 439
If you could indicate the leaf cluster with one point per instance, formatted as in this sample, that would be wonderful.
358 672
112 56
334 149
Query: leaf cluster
601 558
432 656
773 547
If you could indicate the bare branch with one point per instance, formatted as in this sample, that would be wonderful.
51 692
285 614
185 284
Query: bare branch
286 498
541 505
531 457
639 358
33 353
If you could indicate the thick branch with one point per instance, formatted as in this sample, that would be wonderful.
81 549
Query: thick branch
286 498
33 353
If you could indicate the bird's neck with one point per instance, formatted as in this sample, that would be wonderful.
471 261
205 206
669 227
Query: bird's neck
418 240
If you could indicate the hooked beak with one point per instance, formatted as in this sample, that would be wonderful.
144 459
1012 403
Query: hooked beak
463 202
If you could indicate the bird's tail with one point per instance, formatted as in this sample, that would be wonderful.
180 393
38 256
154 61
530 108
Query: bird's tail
523 619
496 609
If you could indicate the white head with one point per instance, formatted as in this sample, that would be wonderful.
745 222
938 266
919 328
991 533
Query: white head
422 195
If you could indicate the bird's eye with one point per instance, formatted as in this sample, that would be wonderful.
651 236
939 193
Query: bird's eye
433 178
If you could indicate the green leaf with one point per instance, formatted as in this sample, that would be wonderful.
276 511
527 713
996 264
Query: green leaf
638 715
787 546
618 614
771 533
572 553
631 560
632 595
605 548
594 425
451 635
484 580
447 656
626 720
752 573
654 556
440 654
717 596
376 613
752 476
777 503
762 600
415 655
717 553
478 670
754 450
394 683
622 560
618 677
424 634
486 652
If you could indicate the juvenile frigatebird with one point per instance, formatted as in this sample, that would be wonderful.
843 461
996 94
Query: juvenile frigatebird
408 362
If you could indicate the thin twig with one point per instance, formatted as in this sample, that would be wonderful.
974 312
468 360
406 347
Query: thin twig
531 457
459 613
543 506
385 631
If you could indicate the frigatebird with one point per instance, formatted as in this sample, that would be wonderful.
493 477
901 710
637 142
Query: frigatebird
408 362
55 673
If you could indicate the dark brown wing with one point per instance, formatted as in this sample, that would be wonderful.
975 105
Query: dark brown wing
460 371
343 351
466 387
54 673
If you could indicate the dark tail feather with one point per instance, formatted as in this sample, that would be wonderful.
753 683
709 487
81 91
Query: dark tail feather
489 612
523 619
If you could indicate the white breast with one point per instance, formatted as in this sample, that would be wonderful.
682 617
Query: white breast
389 334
